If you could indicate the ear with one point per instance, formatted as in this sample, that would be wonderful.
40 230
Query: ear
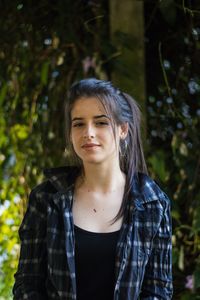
123 130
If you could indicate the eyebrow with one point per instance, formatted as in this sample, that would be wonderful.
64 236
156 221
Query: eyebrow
95 117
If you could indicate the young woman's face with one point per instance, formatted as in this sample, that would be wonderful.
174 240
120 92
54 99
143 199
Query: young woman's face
92 133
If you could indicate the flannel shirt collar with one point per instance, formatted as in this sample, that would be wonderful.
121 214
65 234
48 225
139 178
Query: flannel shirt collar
62 178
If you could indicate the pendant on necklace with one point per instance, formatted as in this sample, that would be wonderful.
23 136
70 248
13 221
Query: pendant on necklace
94 210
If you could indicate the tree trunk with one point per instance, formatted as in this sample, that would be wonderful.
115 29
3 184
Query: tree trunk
127 34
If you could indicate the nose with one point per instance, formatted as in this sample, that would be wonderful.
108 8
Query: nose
89 132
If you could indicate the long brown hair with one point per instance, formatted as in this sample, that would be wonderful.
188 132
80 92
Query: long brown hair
122 108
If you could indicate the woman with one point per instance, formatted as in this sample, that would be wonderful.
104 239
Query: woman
102 229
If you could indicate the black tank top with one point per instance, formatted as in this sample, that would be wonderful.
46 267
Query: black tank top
95 264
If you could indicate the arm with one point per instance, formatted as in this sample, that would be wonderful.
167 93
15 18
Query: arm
31 273
157 282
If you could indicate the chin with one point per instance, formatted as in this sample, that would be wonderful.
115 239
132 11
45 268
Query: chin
92 161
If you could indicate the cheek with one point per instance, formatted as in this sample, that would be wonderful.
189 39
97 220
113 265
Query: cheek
75 137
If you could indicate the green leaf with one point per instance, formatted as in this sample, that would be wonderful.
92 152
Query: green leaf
19 132
44 73
181 259
157 162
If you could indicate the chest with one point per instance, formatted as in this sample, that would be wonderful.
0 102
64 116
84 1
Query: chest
95 212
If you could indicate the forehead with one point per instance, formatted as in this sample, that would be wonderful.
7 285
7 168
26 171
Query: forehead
86 107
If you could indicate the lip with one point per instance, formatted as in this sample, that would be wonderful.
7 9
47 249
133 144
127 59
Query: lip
90 145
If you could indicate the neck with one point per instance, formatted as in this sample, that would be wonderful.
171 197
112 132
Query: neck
103 178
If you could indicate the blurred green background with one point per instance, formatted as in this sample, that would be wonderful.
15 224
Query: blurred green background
150 49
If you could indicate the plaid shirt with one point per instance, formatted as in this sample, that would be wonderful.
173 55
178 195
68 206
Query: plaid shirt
46 267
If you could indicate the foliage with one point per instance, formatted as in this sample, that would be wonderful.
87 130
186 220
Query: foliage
44 47
174 122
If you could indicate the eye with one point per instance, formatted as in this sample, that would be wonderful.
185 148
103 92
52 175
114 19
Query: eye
102 123
77 124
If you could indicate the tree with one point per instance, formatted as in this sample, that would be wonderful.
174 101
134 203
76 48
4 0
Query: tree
127 34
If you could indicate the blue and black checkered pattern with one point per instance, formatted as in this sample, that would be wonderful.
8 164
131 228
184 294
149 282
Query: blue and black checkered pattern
47 260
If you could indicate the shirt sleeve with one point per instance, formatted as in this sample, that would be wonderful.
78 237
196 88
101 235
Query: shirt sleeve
31 273
157 284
